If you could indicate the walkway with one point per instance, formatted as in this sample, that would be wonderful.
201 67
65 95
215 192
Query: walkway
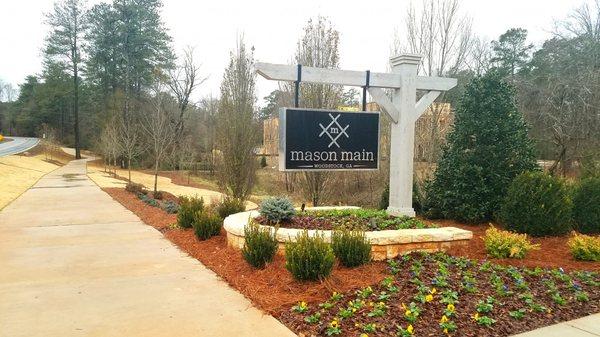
588 326
75 262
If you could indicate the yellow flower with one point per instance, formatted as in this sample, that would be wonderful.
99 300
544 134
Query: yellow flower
429 298
353 309
407 312
433 291
364 335
371 304
303 304
334 324
403 306
410 329
444 319
381 304
450 307
446 331
476 316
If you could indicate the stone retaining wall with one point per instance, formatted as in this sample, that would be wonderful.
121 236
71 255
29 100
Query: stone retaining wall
385 244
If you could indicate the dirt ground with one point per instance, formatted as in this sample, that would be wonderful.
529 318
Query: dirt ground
19 172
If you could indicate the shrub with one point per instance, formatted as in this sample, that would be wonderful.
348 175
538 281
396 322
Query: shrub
487 149
309 257
352 248
158 195
537 204
384 201
503 244
147 200
586 206
229 205
170 206
188 207
260 245
584 247
206 224
263 162
135 188
277 209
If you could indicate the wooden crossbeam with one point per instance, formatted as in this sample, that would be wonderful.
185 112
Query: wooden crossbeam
283 72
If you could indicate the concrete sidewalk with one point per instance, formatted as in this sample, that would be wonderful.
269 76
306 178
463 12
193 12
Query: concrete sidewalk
588 326
74 262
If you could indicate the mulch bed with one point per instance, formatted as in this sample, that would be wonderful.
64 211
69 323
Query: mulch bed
275 291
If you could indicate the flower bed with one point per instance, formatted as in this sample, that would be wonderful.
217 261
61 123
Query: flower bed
350 218
384 243
437 294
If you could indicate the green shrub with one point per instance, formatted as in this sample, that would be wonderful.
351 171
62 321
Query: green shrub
503 244
229 205
277 209
584 247
487 148
135 188
352 248
537 204
170 206
260 245
309 257
188 207
586 205
206 224
263 162
147 200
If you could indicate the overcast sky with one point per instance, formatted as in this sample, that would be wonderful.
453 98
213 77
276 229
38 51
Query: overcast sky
273 28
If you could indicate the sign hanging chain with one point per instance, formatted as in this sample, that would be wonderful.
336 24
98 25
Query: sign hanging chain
364 95
297 84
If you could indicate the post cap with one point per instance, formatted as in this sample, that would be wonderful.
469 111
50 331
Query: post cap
406 58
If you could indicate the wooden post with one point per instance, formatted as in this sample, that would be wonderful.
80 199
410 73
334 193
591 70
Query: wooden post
403 136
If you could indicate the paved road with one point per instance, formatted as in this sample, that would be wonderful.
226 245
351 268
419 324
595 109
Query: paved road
17 145
74 262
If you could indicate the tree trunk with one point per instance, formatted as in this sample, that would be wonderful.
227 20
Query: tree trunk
129 167
155 174
76 102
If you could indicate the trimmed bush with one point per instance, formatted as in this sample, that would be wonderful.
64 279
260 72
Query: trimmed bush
309 257
147 200
277 209
537 204
206 224
352 248
586 206
584 247
260 245
188 207
170 206
229 205
503 244
135 188
384 201
487 148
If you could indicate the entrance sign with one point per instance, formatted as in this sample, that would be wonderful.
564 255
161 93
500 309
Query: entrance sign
325 140
403 108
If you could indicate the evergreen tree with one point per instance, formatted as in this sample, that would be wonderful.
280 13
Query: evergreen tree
63 45
488 147
511 53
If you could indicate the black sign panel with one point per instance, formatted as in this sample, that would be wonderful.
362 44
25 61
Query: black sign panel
322 140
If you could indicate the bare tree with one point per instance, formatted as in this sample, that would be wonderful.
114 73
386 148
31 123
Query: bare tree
237 135
442 34
318 47
129 138
157 126
109 143
184 79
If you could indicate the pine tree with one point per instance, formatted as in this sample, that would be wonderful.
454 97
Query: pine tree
488 147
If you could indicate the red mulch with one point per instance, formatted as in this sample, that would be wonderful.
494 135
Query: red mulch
272 288
553 252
